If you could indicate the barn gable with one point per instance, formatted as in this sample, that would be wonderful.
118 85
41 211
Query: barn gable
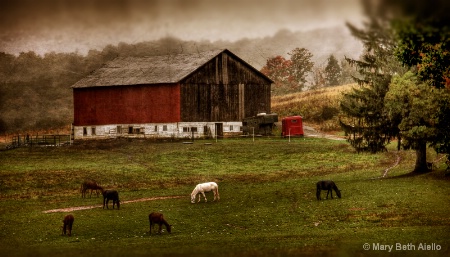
214 87
224 89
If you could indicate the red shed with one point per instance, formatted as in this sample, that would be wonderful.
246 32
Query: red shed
177 95
292 126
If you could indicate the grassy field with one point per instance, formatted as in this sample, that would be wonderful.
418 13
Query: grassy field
268 205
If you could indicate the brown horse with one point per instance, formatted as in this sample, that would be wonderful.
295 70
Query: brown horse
329 186
158 218
92 185
67 224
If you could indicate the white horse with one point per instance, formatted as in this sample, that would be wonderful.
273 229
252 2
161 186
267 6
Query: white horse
205 187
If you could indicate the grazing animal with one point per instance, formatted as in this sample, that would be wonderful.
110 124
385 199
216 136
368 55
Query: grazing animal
158 218
329 186
92 185
67 224
111 195
205 187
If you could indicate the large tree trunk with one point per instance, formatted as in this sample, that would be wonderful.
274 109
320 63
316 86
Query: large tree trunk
421 157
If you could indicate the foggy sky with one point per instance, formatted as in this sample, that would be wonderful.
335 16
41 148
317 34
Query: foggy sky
68 26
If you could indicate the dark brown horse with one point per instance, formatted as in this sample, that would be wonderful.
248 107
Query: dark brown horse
329 186
92 185
158 218
67 224
111 195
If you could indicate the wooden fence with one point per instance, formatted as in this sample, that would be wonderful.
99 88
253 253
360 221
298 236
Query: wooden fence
40 140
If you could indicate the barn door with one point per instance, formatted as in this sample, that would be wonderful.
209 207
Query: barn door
219 129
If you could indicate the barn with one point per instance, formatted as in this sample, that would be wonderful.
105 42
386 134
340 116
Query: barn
205 94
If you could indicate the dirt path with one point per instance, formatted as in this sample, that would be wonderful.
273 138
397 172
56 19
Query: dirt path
311 132
124 202
393 166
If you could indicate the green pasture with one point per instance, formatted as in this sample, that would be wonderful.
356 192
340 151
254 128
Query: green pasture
268 205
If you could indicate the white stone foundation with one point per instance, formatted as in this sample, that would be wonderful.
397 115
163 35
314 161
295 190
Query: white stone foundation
158 130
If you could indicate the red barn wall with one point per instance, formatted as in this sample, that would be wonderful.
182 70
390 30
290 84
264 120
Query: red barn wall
126 104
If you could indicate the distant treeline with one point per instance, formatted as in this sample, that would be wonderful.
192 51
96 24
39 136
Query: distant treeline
35 91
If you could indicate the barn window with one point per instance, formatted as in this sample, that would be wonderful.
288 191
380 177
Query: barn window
93 131
164 127
84 131
190 129
231 127
130 130
156 128
119 130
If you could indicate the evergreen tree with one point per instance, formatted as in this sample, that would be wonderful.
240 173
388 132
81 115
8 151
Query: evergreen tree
364 119
347 73
332 71
318 78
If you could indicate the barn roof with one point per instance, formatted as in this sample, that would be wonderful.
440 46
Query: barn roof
148 70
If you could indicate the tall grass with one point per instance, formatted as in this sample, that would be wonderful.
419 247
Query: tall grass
268 205
319 106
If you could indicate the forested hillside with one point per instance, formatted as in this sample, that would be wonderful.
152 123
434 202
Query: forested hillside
35 91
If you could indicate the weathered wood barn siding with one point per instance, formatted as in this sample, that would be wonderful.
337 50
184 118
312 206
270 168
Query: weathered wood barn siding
224 89
206 93
127 104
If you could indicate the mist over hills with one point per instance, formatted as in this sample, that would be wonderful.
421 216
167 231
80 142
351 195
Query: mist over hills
320 42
